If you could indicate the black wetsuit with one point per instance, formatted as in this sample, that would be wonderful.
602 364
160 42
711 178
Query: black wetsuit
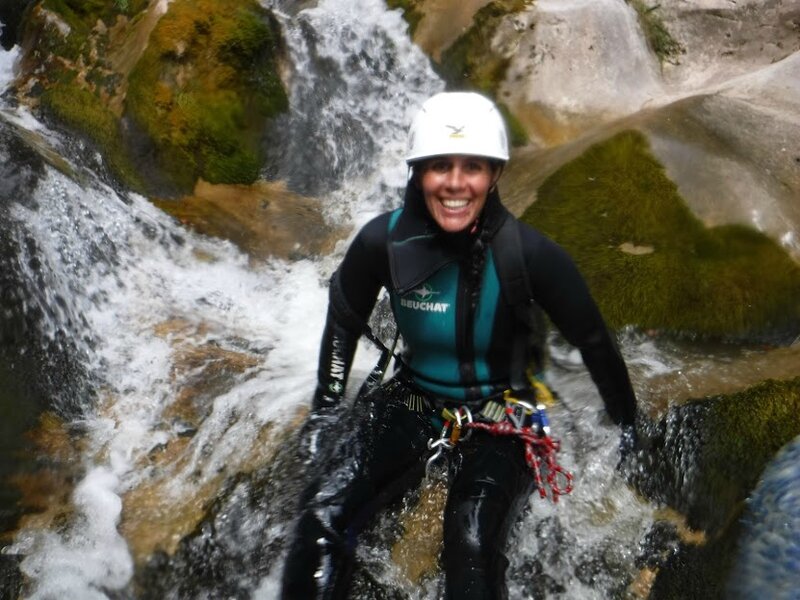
457 327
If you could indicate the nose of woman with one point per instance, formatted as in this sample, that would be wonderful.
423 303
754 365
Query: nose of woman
456 178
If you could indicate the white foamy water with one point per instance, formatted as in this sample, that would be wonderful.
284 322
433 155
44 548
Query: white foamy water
149 280
356 81
8 59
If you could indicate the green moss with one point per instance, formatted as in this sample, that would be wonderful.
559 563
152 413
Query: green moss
82 15
748 429
84 111
412 12
51 42
719 282
205 87
470 63
516 132
661 42
705 461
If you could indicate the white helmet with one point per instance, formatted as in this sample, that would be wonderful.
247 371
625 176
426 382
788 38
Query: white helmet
457 123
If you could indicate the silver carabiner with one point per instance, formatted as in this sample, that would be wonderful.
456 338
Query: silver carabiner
469 419
443 443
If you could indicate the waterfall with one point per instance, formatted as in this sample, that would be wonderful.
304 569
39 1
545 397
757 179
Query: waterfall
117 291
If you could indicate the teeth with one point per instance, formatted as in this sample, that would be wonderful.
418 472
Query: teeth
455 203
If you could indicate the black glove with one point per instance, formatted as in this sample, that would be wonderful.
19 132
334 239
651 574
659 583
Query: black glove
324 399
315 432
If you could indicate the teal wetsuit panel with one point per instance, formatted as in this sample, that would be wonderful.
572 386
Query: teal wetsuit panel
426 317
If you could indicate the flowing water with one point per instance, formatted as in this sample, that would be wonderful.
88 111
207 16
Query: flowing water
121 297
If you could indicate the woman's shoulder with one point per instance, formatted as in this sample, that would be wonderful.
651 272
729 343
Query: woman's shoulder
376 230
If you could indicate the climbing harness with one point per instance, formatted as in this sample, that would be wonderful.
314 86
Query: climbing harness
521 419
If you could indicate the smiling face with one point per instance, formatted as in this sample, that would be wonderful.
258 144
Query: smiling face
455 189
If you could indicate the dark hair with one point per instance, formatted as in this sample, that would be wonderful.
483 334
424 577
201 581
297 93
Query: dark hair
477 262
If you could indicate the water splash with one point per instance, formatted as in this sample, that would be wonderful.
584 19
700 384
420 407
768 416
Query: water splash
356 78
124 269
8 60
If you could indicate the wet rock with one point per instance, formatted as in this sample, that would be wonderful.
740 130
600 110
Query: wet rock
21 167
699 281
534 583
37 328
10 576
551 79
45 469
228 553
704 459
206 365
657 545
596 569
264 219
166 93
11 12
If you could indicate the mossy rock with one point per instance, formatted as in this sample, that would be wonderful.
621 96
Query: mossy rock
471 64
205 87
658 37
85 111
84 14
470 61
196 103
707 455
704 459
82 18
66 44
651 263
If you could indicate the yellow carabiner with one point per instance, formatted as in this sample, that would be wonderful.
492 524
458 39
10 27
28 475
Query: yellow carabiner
543 393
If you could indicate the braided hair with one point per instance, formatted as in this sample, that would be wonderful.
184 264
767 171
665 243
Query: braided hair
476 261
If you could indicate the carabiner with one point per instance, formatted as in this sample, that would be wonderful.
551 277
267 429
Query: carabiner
443 443
463 417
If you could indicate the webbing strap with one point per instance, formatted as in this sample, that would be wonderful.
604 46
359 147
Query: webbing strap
516 287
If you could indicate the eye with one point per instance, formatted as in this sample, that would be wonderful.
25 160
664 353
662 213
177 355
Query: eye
476 166
439 166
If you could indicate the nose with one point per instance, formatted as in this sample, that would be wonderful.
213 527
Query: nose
455 178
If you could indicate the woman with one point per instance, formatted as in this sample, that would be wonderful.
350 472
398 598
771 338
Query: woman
467 341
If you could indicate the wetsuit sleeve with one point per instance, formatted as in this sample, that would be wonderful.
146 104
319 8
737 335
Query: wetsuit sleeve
353 291
561 291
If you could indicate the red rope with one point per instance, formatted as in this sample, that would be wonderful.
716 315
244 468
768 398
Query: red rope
538 448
